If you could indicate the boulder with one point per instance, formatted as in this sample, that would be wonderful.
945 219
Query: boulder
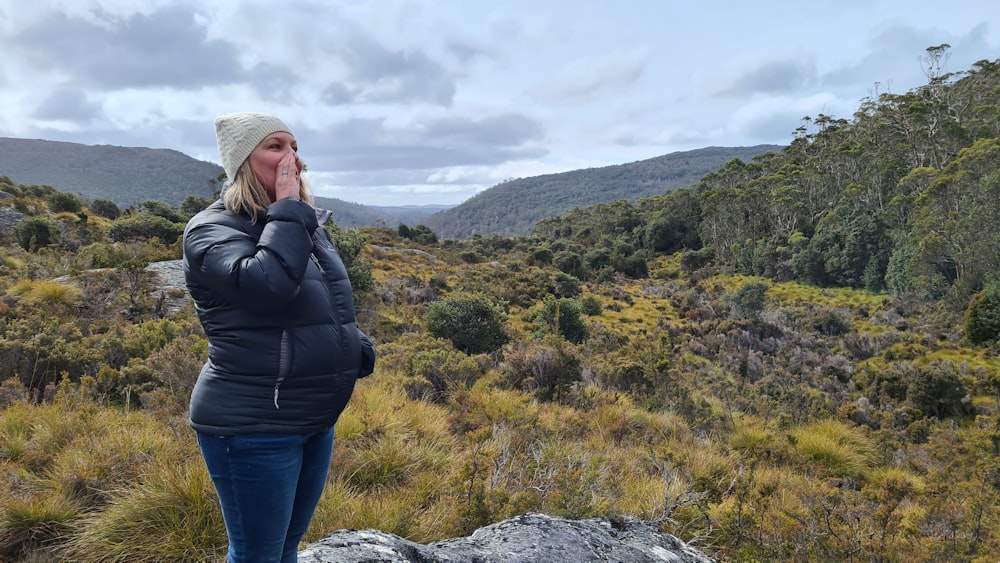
527 538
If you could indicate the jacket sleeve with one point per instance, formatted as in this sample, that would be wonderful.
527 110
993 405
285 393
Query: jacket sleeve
368 355
261 274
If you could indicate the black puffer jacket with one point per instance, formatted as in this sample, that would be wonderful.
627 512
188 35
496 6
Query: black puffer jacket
277 307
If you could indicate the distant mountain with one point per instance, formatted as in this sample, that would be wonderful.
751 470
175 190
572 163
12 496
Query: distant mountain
349 215
129 175
124 175
513 207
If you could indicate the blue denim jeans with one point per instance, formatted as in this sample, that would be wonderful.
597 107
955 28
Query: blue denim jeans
268 486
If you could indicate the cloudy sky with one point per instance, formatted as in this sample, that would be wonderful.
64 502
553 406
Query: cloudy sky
430 101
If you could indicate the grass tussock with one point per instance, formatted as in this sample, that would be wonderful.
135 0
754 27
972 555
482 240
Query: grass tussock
33 523
172 515
45 293
834 448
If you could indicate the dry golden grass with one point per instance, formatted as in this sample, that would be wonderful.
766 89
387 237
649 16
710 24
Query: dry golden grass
833 448
753 438
171 515
45 293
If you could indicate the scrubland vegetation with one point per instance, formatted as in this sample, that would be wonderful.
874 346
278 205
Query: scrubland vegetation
795 360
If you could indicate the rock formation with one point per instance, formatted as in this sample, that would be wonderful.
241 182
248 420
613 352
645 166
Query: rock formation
528 538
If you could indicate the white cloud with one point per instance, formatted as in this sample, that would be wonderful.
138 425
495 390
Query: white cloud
435 101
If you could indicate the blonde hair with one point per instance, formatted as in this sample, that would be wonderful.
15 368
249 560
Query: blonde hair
247 194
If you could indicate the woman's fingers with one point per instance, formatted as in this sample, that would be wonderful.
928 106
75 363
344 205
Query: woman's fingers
286 182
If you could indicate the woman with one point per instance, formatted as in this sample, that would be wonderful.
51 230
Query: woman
284 348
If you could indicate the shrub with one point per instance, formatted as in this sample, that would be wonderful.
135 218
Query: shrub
444 369
160 209
349 244
541 256
562 317
472 321
693 260
34 233
548 369
565 285
60 202
590 305
982 316
420 234
831 322
144 226
748 301
937 390
105 208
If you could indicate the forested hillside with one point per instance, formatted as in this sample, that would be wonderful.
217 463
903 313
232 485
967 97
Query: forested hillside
796 358
124 175
128 176
513 207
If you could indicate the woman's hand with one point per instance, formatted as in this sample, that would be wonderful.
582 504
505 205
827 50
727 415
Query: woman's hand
286 178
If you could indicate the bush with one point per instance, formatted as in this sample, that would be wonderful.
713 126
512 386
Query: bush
982 316
105 208
748 301
562 316
60 202
693 260
548 369
444 370
349 244
160 209
590 305
144 226
937 391
472 321
34 233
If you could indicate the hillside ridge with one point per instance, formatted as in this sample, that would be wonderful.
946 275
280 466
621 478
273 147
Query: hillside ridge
513 207
131 175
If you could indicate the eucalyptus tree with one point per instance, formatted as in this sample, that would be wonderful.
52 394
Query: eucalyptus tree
957 220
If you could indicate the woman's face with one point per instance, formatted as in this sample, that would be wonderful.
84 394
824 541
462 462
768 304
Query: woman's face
265 158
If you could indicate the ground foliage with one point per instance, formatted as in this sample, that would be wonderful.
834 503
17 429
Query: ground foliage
773 364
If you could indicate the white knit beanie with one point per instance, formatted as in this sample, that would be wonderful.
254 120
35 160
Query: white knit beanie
239 134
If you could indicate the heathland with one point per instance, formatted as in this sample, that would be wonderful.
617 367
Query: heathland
793 358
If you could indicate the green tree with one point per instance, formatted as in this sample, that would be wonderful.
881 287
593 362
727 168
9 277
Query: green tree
849 245
957 220
472 321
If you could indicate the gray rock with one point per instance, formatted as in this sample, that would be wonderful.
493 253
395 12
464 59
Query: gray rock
527 538
9 217
170 285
